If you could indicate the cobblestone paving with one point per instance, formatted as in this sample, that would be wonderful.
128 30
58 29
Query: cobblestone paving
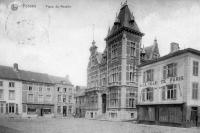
71 125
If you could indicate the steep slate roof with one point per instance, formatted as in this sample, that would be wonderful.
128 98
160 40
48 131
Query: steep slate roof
21 75
56 79
8 73
170 55
124 18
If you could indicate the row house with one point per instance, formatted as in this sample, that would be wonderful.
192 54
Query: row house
80 99
64 100
169 89
29 94
10 92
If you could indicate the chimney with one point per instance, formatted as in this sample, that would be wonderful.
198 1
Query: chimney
15 67
174 47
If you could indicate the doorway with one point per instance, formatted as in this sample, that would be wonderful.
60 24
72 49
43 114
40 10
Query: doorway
64 110
41 112
194 116
103 103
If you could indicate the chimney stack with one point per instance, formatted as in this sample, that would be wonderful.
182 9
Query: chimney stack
174 47
15 67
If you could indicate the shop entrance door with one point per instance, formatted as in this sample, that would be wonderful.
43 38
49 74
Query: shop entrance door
194 116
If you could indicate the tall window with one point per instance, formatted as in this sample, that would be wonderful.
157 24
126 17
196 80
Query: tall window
147 94
170 70
11 108
195 68
130 98
58 89
40 98
64 98
59 98
148 75
48 98
130 73
11 84
30 97
171 91
30 88
64 89
1 83
114 51
114 97
132 49
40 89
11 95
114 74
195 91
1 93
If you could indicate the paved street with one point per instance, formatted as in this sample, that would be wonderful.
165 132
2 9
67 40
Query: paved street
70 125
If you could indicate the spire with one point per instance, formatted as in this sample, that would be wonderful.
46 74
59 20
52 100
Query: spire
123 5
125 20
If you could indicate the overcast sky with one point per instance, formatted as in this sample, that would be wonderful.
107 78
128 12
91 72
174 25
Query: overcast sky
62 37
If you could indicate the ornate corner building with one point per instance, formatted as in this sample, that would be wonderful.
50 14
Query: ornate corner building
112 76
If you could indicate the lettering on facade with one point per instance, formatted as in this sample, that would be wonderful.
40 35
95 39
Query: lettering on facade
164 81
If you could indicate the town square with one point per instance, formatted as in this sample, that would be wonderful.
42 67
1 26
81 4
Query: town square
99 66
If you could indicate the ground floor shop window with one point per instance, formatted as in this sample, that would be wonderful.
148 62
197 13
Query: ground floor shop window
47 111
31 110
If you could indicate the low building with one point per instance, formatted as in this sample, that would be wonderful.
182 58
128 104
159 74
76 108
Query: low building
64 96
168 91
80 99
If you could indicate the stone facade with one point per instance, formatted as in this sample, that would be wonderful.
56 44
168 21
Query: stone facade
112 80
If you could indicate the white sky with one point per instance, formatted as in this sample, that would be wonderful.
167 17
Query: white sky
70 32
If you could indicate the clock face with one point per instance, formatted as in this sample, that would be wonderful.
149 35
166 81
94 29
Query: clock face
27 26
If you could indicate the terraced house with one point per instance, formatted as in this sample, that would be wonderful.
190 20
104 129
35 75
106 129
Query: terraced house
30 94
112 80
169 89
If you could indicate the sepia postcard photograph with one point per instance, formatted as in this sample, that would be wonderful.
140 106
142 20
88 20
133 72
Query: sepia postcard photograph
99 66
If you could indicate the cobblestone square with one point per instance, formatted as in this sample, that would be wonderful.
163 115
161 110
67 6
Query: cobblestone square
71 125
